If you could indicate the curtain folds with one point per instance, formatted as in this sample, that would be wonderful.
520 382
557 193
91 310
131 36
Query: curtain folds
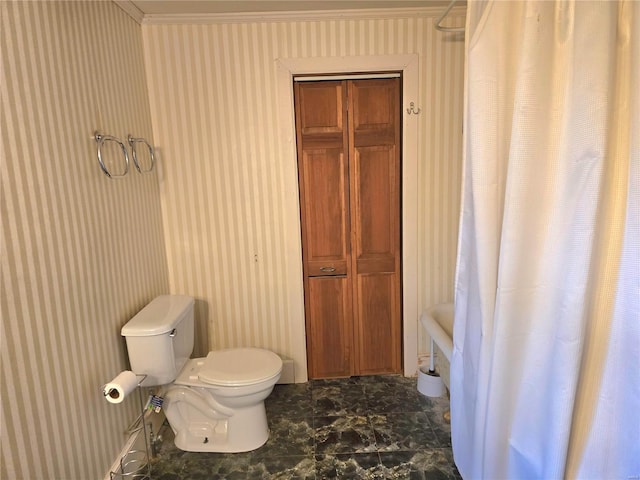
545 378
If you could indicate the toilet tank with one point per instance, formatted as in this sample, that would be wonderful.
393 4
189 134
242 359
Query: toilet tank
160 338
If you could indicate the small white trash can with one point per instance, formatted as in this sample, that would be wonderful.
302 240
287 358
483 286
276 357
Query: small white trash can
429 383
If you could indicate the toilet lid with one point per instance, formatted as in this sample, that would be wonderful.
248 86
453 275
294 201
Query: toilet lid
239 366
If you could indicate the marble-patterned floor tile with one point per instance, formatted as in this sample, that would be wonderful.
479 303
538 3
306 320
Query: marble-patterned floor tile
291 400
389 378
442 431
426 464
331 400
436 407
403 431
288 437
431 403
393 398
218 466
381 428
167 468
349 466
328 382
165 475
283 468
345 434
168 457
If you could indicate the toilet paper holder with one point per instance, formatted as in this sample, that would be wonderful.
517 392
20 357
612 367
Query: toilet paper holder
135 464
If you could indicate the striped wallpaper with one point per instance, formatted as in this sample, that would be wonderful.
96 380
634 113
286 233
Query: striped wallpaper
80 253
226 188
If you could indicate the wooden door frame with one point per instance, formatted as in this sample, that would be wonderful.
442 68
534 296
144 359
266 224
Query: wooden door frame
409 66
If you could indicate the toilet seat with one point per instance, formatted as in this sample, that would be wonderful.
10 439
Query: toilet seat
239 366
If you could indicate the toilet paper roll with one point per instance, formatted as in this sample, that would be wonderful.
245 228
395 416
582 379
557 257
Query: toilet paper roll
117 389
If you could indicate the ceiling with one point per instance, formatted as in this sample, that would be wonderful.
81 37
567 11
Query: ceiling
173 7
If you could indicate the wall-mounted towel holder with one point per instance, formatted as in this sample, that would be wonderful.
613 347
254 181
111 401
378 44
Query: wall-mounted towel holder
132 141
100 140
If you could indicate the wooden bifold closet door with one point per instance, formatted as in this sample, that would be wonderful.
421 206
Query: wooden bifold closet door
348 138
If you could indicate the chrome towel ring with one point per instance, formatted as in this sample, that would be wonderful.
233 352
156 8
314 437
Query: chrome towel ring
132 142
100 140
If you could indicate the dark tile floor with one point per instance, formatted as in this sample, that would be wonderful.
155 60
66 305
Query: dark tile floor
376 427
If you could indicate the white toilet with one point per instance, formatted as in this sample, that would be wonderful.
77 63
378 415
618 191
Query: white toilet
214 404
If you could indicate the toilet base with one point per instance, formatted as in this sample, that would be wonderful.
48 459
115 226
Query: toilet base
244 431
214 418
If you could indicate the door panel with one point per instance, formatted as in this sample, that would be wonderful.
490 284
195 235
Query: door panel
348 139
375 112
326 223
325 102
374 104
324 199
377 337
374 173
375 207
329 320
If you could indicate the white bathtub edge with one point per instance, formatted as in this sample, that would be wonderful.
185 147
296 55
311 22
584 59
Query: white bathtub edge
429 321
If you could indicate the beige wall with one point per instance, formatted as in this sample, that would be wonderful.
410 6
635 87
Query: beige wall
226 183
80 253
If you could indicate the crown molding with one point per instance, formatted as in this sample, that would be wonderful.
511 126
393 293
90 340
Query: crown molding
130 9
295 16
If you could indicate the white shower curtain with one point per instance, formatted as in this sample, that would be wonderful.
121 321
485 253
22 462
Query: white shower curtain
545 374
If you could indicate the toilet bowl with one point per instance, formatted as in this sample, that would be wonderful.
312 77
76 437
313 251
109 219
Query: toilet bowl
213 404
216 404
